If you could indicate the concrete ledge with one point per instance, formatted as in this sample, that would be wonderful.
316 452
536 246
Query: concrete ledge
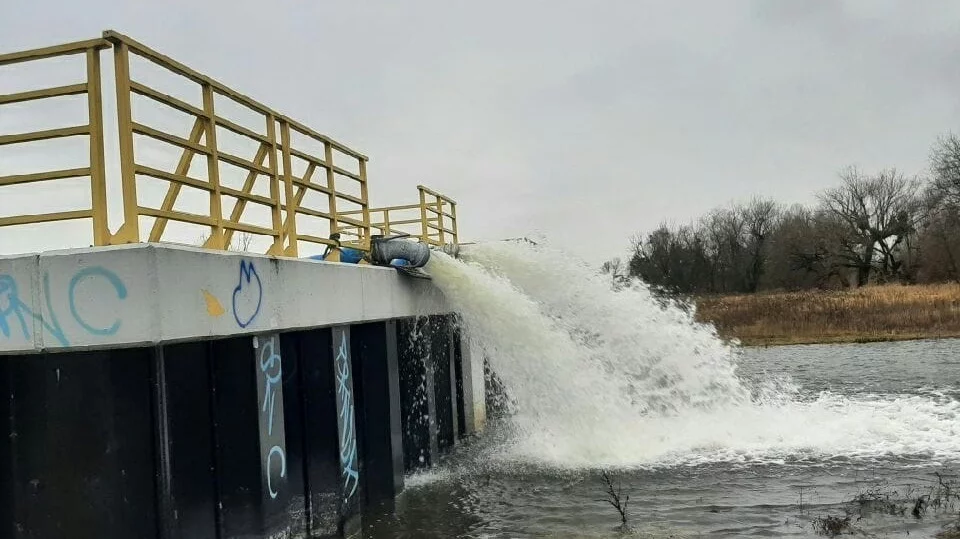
132 295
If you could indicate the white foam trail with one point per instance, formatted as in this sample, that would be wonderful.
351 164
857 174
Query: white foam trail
604 378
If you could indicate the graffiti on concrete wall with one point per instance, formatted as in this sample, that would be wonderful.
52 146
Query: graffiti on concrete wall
214 307
348 433
247 295
273 446
17 316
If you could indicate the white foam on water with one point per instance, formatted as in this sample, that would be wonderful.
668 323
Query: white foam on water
598 377
427 476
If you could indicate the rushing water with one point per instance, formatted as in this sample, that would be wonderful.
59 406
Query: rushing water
708 440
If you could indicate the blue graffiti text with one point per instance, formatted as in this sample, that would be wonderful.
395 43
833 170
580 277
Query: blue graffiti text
16 313
272 371
348 435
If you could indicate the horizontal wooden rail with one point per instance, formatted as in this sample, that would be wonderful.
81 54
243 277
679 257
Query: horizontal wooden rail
240 130
77 47
312 212
317 239
44 176
33 95
177 216
243 163
174 140
164 99
161 60
47 134
45 217
431 192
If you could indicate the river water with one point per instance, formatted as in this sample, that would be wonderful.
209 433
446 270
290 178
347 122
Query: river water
706 439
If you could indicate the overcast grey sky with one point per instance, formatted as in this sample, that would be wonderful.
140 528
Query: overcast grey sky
585 121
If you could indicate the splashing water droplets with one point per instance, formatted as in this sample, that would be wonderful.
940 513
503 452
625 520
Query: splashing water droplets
598 377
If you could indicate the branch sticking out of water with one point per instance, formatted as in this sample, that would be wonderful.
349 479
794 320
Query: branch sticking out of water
615 497
832 526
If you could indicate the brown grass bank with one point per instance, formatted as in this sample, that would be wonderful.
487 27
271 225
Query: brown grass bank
873 313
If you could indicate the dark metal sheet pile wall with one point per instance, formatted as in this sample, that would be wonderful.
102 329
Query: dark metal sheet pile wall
278 435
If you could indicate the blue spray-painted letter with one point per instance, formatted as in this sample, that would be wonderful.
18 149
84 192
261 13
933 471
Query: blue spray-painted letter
118 286
248 295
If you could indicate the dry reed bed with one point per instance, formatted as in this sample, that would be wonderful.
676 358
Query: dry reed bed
873 313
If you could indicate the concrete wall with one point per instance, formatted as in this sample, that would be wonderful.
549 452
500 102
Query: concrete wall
112 297
173 392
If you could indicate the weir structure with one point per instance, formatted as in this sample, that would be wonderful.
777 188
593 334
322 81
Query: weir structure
152 389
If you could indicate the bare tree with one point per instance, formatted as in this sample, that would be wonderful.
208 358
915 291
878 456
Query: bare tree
612 266
244 239
240 242
945 166
760 216
939 239
725 231
800 251
636 244
617 271
878 213
653 258
672 258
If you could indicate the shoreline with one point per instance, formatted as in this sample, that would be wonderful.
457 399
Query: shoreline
841 339
878 313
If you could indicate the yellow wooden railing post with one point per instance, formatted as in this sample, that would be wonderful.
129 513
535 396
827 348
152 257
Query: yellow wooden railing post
440 224
216 239
425 231
290 224
98 177
364 196
453 219
130 229
276 209
331 186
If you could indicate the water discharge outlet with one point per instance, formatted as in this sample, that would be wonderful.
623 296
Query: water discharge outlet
407 256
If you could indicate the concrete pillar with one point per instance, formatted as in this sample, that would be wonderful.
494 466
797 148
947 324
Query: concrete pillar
472 383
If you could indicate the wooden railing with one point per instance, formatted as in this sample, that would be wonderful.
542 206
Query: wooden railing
93 130
331 186
433 219
273 160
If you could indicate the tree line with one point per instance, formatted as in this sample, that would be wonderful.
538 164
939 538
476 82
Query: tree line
873 227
